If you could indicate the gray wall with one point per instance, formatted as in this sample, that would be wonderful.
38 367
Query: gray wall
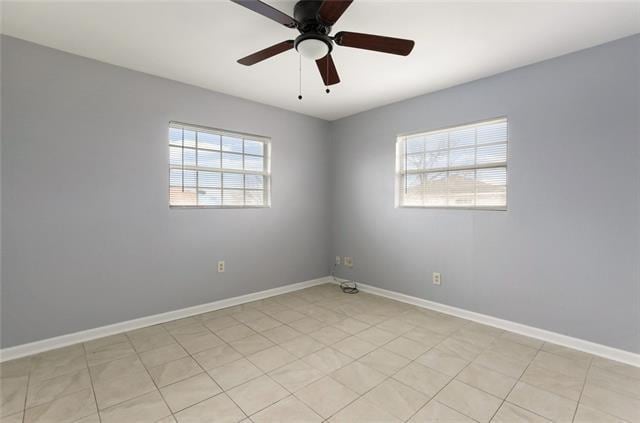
88 237
565 256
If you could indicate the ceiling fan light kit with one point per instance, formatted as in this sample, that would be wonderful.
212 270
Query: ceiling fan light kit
314 20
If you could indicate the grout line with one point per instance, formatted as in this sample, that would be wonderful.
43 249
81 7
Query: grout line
584 384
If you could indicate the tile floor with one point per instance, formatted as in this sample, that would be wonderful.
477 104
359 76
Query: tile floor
318 355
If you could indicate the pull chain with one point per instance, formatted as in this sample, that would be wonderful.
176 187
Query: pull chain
299 77
327 90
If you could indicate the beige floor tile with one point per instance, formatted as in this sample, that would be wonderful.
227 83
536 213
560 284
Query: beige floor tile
151 342
326 396
116 368
16 368
479 336
327 360
287 410
248 314
146 332
172 325
617 367
168 419
424 336
174 371
219 409
351 326
100 343
251 344
69 408
487 380
329 335
396 398
613 403
354 347
397 326
257 394
114 391
358 377
521 339
586 414
13 391
363 411
307 325
560 364
543 403
406 347
435 412
422 379
201 343
234 333
510 413
469 401
190 391
47 368
42 391
566 352
513 349
302 346
376 336
508 366
384 361
235 373
614 381
271 358
15 418
446 362
287 316
281 334
263 323
550 380
162 355
217 356
219 323
146 408
296 375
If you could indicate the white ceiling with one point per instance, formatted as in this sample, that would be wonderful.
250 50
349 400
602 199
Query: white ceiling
199 43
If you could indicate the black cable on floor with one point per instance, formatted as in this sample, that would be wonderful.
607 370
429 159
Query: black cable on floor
348 287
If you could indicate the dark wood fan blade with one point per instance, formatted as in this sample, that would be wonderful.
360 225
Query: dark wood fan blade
261 55
328 70
270 12
331 10
374 42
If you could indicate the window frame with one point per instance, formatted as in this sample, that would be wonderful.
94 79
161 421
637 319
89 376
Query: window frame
266 173
401 172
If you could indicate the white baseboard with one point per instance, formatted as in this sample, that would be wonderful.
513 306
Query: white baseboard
90 334
544 335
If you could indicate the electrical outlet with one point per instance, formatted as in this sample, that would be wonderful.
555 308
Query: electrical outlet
338 260
221 266
436 278
348 261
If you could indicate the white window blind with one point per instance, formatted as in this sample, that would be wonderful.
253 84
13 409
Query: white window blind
460 167
213 168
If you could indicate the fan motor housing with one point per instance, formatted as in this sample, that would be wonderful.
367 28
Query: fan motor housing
306 13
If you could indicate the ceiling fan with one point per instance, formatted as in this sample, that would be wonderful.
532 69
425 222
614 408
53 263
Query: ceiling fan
314 19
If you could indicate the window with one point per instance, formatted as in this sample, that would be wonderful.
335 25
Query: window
213 168
461 167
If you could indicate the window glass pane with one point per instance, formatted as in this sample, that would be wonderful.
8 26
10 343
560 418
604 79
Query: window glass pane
462 187
175 155
232 161
253 147
462 157
436 141
182 197
208 158
232 144
209 179
233 180
415 145
435 189
189 156
233 197
437 159
491 187
254 181
254 198
462 137
189 138
415 161
413 190
209 197
207 140
496 132
492 154
175 136
253 163
179 177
